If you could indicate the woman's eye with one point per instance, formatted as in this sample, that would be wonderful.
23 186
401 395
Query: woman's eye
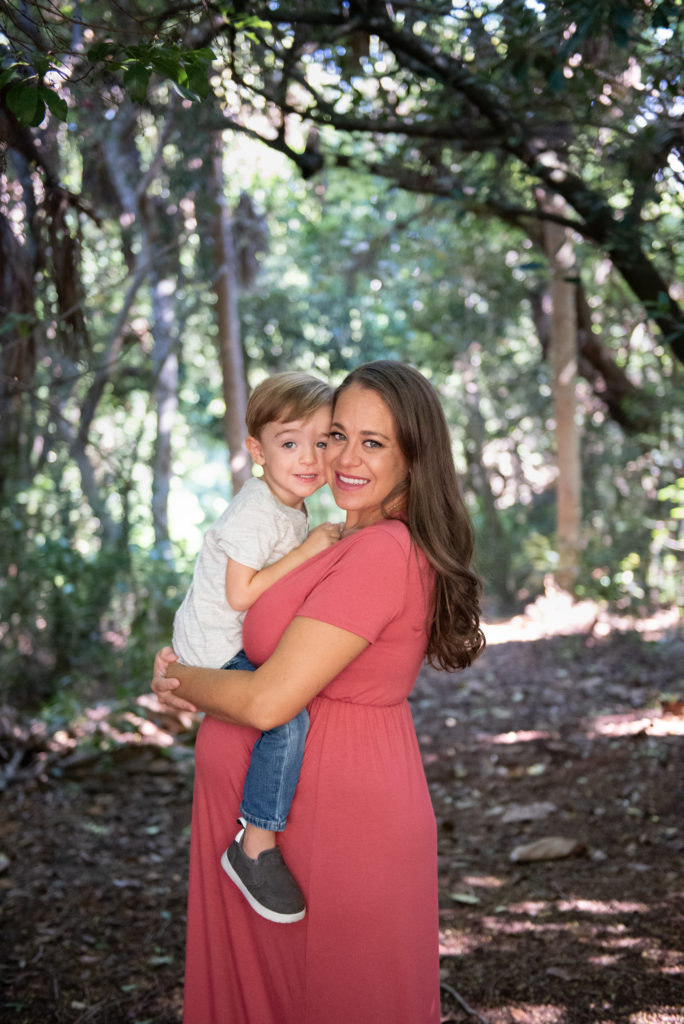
372 444
336 436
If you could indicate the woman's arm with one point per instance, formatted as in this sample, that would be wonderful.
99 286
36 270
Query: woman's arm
309 655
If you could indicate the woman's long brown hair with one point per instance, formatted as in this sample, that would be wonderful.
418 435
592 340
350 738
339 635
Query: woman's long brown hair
430 503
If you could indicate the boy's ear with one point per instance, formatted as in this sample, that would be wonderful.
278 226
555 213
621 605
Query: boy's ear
253 446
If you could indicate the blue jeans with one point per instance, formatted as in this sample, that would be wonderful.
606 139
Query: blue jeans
274 766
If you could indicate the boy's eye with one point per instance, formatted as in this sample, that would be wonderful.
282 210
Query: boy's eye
321 444
289 444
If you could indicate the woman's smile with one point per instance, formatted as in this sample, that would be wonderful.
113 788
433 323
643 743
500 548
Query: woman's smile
351 481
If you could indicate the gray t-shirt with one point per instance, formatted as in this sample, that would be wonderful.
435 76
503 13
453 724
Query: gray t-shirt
255 530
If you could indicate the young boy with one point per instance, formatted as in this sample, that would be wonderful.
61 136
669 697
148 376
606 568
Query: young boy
261 536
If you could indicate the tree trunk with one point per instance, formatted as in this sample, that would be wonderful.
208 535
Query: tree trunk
495 555
629 406
226 288
165 395
560 252
17 357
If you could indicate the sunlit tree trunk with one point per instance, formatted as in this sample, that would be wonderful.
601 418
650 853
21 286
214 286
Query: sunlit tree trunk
165 395
563 351
625 402
226 287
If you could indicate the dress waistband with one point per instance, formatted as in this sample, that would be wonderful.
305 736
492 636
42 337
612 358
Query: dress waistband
357 703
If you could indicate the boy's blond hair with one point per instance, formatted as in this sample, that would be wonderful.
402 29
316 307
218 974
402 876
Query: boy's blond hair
285 397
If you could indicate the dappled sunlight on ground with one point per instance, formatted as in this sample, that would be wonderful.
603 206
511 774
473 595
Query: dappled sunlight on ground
527 1013
509 738
632 723
659 1015
557 613
534 909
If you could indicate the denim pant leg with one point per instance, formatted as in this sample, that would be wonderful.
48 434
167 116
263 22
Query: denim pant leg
274 767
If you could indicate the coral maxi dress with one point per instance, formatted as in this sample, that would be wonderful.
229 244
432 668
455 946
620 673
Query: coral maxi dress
361 836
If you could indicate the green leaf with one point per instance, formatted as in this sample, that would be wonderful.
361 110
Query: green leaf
136 78
141 52
250 21
41 64
183 91
661 17
465 897
198 79
166 62
25 103
100 51
556 80
204 53
57 105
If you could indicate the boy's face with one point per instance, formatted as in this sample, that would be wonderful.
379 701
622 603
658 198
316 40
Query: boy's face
293 456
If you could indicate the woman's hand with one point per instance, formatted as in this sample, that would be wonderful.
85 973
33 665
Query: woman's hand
164 685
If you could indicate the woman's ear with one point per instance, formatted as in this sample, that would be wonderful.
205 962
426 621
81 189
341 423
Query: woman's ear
253 446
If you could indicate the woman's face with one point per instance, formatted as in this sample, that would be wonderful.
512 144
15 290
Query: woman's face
365 461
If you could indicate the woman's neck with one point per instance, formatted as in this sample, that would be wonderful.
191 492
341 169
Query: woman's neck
357 521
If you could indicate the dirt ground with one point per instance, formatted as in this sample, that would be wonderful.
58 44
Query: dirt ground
574 737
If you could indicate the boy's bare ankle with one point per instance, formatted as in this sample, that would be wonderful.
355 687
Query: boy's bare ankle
256 840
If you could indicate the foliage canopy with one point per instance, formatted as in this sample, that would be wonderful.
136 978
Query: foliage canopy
402 157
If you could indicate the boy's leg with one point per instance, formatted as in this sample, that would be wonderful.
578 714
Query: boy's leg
273 774
241 662
273 768
253 861
255 840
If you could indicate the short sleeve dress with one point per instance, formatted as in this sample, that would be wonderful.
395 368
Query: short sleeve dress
360 838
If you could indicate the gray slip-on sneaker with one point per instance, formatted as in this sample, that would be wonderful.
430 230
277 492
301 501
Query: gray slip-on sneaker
266 883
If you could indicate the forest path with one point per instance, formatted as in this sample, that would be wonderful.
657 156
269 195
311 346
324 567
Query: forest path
575 736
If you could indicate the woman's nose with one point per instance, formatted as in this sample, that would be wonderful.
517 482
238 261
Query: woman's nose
348 456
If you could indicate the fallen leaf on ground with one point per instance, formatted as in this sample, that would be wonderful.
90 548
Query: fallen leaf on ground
548 848
465 897
528 812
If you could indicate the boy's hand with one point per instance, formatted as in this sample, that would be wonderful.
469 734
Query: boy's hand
164 685
322 537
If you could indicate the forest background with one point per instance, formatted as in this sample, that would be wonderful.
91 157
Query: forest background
491 191
195 195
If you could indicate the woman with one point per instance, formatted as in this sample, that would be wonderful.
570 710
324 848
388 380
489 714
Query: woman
345 635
